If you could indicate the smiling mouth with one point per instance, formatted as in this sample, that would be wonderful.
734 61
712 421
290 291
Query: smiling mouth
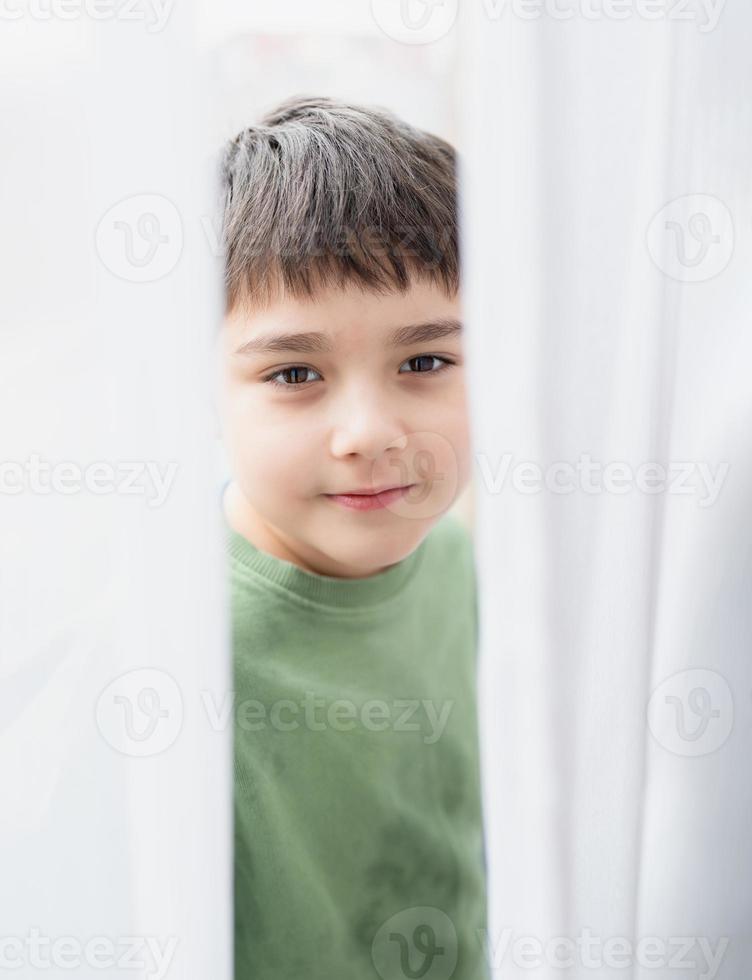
371 493
370 499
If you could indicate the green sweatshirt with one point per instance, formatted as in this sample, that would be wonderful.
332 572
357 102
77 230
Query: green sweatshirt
358 831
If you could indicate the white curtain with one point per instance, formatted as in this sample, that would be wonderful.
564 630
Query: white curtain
114 658
607 235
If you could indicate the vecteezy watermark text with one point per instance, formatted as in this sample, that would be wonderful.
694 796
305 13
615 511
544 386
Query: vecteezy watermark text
706 13
37 951
154 13
317 714
39 476
426 21
592 476
592 952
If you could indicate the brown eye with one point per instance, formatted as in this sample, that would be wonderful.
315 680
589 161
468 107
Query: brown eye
424 363
294 377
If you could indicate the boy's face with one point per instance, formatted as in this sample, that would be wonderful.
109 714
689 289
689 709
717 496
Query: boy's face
351 411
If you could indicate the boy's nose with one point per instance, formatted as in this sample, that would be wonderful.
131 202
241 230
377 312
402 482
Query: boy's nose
367 427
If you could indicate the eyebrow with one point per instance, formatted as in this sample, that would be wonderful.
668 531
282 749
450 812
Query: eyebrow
314 342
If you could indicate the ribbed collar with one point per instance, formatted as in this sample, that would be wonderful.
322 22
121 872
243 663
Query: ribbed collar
325 590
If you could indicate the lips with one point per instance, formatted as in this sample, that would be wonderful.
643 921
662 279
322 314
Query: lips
369 492
369 499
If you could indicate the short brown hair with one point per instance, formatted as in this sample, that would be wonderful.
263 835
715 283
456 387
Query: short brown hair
324 193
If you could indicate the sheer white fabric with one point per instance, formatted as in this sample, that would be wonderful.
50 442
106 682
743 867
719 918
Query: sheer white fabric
114 775
609 325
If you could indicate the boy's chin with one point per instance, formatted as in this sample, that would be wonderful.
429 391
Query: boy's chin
372 552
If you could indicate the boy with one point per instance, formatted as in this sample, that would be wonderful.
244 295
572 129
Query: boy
358 832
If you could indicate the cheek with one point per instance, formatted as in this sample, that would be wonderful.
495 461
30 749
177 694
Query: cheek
449 421
272 453
452 444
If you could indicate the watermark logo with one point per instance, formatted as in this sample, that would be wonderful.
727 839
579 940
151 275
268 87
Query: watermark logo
428 466
691 239
141 712
420 941
691 713
423 21
415 21
140 239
